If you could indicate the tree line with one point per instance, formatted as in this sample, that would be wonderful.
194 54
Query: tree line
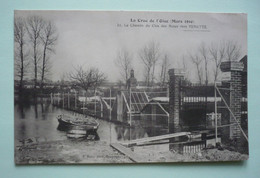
35 39
205 61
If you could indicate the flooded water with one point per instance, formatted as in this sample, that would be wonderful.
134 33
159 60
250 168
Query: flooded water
40 121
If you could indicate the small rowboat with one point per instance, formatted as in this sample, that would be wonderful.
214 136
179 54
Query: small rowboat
88 124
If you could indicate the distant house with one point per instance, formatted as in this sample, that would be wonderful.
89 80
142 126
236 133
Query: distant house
132 82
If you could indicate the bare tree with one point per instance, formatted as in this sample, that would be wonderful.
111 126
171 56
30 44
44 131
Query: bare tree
34 28
217 52
19 38
204 54
124 62
149 55
87 79
197 61
233 51
48 38
164 69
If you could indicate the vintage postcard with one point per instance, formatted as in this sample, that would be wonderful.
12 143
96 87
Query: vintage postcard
129 87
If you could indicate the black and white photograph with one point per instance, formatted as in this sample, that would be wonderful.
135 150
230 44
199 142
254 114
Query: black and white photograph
109 87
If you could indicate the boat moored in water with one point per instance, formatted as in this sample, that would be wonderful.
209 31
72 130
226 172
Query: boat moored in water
67 122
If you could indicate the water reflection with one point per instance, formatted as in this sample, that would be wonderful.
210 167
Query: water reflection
22 107
35 120
36 110
21 110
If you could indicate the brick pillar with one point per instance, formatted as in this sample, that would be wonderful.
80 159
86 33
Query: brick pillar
176 76
235 103
234 70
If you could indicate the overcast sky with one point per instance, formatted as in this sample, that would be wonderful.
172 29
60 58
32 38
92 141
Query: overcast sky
92 38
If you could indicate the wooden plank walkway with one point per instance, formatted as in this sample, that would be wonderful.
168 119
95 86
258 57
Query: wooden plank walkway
156 138
128 152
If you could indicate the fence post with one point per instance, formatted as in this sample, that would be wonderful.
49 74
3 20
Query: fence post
110 104
83 107
101 107
68 100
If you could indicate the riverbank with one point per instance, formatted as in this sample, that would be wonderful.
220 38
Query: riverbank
85 151
68 152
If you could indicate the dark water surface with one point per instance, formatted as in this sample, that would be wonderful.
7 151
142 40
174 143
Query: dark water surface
39 121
